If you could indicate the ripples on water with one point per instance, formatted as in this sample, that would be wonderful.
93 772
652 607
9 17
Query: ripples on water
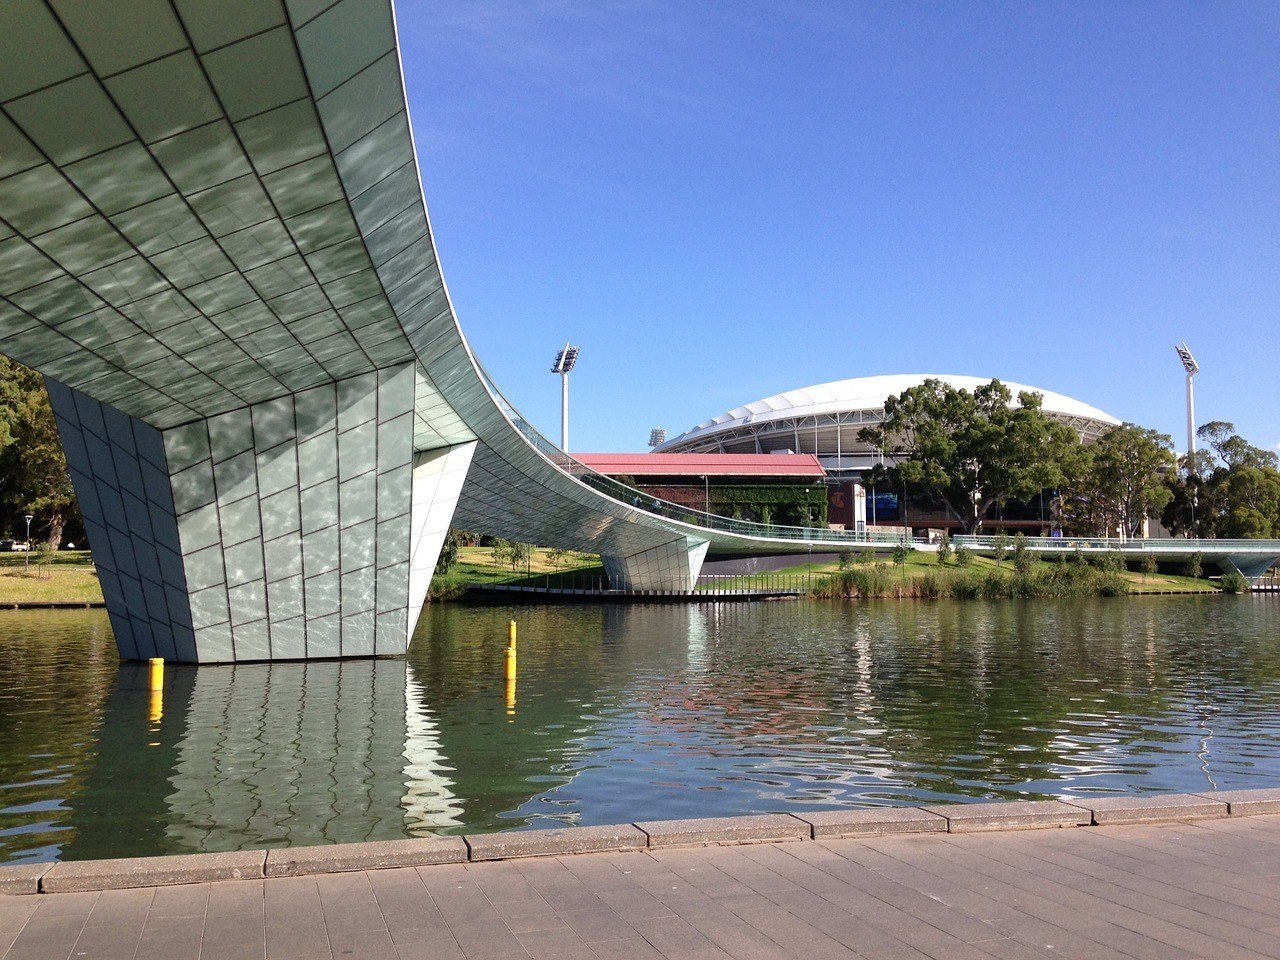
626 712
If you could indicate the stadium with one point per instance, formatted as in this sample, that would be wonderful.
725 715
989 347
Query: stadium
824 421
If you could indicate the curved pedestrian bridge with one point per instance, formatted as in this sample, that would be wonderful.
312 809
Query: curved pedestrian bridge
214 245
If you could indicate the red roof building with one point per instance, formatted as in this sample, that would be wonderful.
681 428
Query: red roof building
757 465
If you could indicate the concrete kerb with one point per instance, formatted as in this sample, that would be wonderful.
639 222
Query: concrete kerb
93 875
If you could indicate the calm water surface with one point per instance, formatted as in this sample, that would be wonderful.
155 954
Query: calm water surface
623 713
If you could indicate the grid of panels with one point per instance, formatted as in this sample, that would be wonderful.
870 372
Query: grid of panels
289 515
174 239
121 476
672 566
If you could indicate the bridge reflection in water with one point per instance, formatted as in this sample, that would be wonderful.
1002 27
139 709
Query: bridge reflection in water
262 755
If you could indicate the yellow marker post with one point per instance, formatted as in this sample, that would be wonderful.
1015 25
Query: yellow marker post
511 667
156 710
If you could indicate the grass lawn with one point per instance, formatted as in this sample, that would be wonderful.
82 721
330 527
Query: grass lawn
68 577
476 567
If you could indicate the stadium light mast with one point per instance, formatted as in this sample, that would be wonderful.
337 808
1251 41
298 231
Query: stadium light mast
565 360
657 437
1189 364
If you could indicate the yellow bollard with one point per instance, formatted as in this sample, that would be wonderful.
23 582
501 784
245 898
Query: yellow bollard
156 711
511 667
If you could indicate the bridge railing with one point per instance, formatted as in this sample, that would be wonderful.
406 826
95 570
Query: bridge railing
639 500
1128 544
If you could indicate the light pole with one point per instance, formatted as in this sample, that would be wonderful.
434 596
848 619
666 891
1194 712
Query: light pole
564 362
26 561
1189 364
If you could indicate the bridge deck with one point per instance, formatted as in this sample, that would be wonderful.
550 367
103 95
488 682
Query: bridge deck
1166 891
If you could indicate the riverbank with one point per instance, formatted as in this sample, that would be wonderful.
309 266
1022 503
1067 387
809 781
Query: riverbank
65 579
68 578
82 876
924 576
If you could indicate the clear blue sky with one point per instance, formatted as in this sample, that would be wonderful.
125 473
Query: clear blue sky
721 201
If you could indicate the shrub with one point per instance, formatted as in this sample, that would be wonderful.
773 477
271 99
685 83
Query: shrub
1194 566
847 559
944 548
964 556
1233 582
1022 559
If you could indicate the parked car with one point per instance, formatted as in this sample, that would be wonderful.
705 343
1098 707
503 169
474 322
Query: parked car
7 545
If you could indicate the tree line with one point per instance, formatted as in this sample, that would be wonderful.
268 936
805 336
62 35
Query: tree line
974 451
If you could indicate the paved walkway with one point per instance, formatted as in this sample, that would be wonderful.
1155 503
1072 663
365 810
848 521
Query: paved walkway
1165 892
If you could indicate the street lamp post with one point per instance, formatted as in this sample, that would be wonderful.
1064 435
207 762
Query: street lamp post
564 362
26 562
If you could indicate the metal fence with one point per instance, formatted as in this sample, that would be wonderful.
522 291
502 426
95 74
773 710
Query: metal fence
1128 544
754 584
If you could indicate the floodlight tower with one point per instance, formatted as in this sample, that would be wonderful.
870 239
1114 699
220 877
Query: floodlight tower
1189 364
657 436
565 360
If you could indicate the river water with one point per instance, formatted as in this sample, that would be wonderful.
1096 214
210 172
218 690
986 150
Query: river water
622 713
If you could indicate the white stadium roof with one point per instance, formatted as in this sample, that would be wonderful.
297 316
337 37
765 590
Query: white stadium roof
867 393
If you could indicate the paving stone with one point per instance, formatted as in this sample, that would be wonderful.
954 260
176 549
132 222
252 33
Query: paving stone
374 855
22 878
1009 815
723 830
1246 802
871 823
554 842
1168 806
153 871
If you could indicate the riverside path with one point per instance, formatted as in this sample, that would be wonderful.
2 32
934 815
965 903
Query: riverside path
1159 889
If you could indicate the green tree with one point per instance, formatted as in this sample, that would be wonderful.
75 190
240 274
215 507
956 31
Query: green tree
33 470
1022 558
1126 480
1251 503
1231 489
971 451
1149 565
944 547
964 556
1194 566
500 551
519 553
999 547
448 553
899 556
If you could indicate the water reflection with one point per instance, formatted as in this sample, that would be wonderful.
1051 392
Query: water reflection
661 711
